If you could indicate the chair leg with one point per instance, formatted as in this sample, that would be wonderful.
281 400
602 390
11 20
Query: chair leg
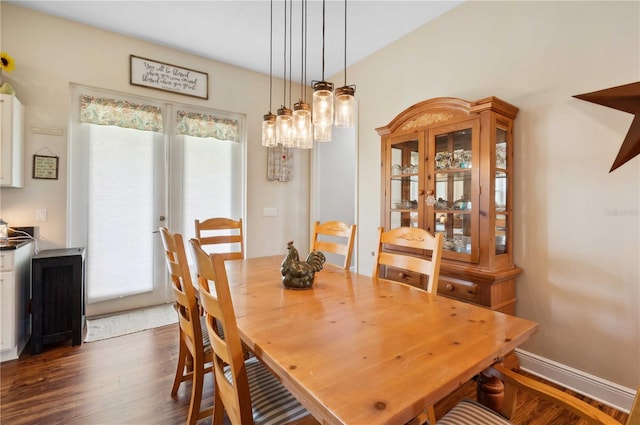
182 357
427 417
196 390
431 415
218 408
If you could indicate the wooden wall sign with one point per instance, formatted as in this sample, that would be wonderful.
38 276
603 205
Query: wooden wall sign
163 76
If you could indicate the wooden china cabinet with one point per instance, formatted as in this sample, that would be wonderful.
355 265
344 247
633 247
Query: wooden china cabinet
447 166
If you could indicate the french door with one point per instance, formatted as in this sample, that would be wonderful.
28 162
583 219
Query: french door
124 183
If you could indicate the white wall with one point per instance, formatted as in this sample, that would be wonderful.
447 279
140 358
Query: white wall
577 227
51 52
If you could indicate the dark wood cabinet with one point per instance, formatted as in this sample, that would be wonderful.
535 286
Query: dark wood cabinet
57 297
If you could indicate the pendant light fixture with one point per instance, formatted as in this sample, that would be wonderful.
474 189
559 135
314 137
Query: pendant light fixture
269 130
305 123
269 122
302 110
284 120
323 92
345 100
302 125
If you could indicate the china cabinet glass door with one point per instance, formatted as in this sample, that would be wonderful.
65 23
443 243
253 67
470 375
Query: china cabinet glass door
455 211
500 188
405 189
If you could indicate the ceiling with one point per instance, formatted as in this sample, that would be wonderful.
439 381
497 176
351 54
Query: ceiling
238 32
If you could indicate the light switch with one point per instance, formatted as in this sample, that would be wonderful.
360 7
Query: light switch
41 214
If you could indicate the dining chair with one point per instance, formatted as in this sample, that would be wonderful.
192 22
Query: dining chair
245 389
334 237
221 233
195 353
416 238
469 411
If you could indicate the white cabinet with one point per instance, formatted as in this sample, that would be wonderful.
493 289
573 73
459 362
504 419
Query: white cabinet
12 148
15 293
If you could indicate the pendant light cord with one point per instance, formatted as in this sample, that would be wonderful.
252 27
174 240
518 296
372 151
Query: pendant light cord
303 53
290 47
345 42
323 7
271 57
304 82
284 71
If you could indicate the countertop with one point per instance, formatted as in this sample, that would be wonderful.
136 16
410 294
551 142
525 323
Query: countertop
17 238
13 244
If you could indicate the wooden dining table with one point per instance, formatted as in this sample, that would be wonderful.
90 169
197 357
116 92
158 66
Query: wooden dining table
364 351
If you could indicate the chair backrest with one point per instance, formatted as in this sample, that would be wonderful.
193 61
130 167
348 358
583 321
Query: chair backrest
222 230
334 237
183 290
514 381
232 385
415 238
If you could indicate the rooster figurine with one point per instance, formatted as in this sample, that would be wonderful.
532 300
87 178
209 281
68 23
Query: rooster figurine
298 274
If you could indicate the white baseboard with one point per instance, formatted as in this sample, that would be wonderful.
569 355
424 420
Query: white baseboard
599 389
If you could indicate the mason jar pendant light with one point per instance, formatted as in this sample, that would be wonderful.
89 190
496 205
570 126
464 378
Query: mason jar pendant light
284 120
302 125
345 100
345 107
269 130
269 120
301 109
284 127
323 91
322 103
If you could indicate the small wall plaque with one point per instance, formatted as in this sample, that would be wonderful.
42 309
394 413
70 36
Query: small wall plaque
45 167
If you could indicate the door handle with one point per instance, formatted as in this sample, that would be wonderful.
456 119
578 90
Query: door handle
161 218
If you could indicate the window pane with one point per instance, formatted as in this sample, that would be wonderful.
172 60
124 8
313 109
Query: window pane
120 205
208 182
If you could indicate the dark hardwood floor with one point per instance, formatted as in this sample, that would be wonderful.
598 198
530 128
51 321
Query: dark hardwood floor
127 380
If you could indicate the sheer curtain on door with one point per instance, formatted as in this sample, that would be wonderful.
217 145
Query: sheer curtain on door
123 149
210 156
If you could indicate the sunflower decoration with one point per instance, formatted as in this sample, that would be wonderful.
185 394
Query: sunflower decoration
7 64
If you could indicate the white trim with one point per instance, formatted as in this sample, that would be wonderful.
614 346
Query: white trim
596 388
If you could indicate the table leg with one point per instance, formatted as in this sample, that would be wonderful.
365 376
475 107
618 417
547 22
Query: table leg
490 391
